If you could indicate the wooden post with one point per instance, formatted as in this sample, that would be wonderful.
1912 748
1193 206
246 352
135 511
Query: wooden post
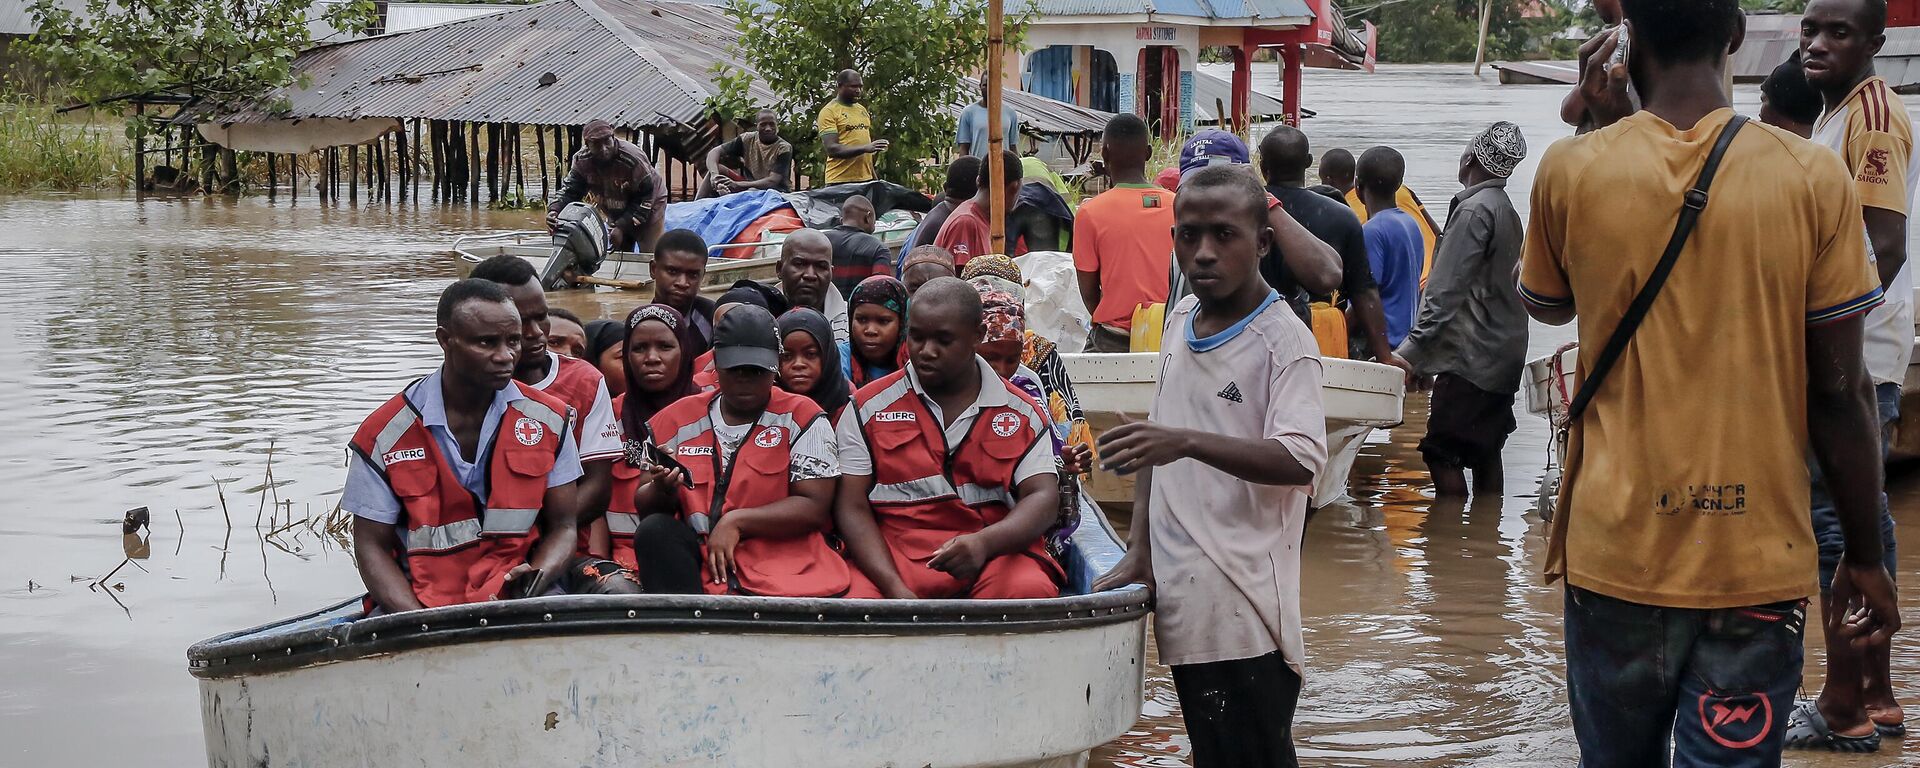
273 177
400 161
1480 50
493 163
436 142
519 166
997 168
540 149
473 164
293 178
140 151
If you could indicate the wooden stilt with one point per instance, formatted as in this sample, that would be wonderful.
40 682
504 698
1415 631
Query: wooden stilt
139 151
436 141
400 161
540 149
519 167
273 177
473 163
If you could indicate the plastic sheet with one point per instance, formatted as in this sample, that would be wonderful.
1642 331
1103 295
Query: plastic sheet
1054 308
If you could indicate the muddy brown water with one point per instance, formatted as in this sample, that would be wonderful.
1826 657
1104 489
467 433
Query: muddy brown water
154 353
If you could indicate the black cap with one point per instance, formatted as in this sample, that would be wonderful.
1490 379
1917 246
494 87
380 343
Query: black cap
745 338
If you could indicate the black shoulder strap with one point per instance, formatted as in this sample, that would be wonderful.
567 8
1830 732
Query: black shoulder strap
1696 202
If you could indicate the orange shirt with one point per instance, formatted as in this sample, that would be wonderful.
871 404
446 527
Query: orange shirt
1125 235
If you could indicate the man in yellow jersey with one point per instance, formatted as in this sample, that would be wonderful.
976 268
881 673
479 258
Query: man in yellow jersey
1867 125
1682 531
846 132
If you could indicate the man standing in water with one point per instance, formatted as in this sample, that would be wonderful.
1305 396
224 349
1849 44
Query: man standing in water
1471 332
1866 124
1394 247
462 486
576 383
806 277
630 193
846 132
1682 533
1224 467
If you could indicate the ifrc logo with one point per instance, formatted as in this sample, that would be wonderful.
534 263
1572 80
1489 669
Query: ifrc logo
528 431
886 416
1006 424
696 450
768 438
409 454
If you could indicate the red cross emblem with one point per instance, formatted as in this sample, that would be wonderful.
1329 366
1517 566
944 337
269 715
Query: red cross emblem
528 431
768 438
1006 424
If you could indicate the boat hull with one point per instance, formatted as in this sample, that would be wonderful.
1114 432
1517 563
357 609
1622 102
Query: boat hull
626 270
1358 397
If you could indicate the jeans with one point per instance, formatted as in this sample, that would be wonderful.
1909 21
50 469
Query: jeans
1653 686
1826 520
1239 713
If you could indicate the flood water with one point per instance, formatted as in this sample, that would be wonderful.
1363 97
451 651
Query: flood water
163 353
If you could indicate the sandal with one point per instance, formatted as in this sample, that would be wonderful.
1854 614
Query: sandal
1890 730
1808 729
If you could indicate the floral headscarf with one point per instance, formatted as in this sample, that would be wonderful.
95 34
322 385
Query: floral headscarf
1001 317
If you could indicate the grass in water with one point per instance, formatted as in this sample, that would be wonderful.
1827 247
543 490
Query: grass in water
41 150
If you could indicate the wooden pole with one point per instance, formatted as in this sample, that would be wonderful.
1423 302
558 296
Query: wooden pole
273 177
353 173
997 174
1480 50
519 166
293 178
540 149
473 164
139 151
400 161
414 169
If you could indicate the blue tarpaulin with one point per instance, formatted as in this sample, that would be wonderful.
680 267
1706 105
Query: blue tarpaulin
721 219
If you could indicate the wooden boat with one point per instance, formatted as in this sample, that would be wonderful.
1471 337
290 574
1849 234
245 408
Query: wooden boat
1359 397
688 680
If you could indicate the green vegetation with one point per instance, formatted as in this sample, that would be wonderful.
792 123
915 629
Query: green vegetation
911 55
1448 30
42 150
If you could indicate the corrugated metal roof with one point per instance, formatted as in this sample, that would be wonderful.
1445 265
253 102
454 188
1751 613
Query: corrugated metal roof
1204 9
1211 90
1041 115
406 16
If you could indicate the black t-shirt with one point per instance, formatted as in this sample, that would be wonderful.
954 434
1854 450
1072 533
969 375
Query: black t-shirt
1335 225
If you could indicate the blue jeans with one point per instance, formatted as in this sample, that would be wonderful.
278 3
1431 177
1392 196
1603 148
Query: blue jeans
1653 686
1826 520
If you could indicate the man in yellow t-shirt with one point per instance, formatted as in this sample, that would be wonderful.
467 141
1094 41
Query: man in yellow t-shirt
1683 531
846 132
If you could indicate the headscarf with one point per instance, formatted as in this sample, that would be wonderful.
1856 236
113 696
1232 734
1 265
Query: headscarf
603 335
996 272
640 406
832 391
1499 148
1001 317
882 291
927 254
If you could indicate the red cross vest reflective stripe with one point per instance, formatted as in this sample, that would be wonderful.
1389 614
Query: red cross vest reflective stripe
622 518
458 548
801 566
923 494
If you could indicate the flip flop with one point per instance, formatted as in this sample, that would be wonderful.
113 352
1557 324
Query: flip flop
1808 729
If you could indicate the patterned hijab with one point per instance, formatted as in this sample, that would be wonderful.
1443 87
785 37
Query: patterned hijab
1001 317
640 406
1499 148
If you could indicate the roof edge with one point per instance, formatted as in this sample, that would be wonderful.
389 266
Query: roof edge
643 49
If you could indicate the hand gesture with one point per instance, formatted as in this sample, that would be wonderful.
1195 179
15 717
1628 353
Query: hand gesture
1139 445
723 183
961 557
1077 459
520 582
1603 84
720 543
1136 567
553 221
1867 605
880 145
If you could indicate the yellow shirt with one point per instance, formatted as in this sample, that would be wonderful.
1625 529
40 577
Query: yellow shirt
1686 480
854 126
1406 202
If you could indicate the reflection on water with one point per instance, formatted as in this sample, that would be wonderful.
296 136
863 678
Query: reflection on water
163 354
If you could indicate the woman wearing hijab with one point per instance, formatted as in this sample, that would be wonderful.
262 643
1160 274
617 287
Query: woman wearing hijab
606 349
995 272
810 361
877 312
656 374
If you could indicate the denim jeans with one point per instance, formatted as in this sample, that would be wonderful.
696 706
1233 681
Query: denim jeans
1653 686
1826 520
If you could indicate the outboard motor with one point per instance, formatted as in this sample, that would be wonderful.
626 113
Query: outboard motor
579 243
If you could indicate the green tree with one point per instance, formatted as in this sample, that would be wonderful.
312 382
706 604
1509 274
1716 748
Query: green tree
1448 30
912 56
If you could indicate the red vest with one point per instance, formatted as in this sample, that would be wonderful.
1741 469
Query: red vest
802 566
458 548
923 493
622 518
577 384
705 376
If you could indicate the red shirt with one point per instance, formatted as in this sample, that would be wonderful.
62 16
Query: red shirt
966 234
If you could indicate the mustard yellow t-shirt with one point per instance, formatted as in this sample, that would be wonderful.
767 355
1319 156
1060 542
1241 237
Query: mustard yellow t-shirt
1686 480
854 126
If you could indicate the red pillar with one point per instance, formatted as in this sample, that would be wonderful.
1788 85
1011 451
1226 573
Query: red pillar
1290 92
1242 86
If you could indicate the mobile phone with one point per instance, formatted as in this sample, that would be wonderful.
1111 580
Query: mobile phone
1620 48
663 459
524 586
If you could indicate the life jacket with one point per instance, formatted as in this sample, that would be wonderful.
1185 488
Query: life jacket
577 384
622 517
800 566
457 548
925 494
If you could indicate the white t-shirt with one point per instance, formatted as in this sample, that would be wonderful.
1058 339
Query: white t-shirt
600 435
1226 552
814 454
1889 327
856 460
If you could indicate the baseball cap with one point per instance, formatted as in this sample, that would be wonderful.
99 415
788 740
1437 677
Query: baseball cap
1212 147
745 338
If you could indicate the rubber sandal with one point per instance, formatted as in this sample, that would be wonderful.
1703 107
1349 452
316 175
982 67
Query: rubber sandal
1890 730
1808 729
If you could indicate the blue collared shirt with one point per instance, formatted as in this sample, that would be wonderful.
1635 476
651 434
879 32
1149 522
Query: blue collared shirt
368 495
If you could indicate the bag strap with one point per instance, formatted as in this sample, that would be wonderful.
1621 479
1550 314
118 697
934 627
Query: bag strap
1696 201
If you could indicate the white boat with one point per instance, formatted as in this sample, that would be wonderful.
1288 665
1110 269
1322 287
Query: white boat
688 680
1359 397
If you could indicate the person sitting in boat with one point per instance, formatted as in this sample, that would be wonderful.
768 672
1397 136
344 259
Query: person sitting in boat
878 309
947 478
678 270
464 486
806 277
603 351
626 188
926 263
577 384
658 373
1037 354
566 333
810 362
1002 339
758 160
705 376
742 482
